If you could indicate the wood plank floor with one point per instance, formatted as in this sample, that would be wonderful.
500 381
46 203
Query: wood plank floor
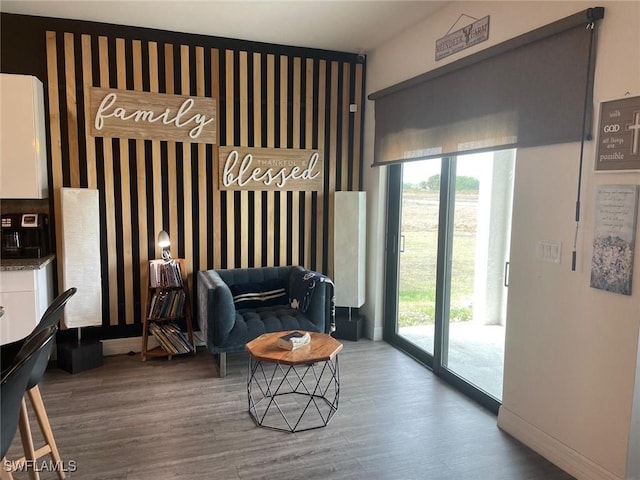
129 420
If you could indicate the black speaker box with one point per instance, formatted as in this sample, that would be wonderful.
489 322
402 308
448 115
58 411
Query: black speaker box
348 329
74 357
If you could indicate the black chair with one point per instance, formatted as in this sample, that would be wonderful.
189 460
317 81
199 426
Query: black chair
50 317
14 383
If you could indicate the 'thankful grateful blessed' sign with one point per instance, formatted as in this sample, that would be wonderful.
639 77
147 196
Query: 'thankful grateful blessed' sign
245 168
152 116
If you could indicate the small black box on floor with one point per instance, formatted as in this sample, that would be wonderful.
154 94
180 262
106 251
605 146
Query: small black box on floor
75 357
348 329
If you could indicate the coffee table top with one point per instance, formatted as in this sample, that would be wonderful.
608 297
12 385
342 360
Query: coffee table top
322 348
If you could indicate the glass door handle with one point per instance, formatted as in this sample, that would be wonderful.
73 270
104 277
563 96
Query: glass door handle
401 243
506 274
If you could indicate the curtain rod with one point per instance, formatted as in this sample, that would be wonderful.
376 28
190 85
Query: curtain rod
581 18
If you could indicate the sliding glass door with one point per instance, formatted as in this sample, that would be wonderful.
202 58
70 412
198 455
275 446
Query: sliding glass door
449 227
418 253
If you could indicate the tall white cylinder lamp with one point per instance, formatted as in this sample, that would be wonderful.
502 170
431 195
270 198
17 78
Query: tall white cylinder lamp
349 248
80 263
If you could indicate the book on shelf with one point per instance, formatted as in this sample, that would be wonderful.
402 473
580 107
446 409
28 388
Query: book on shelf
178 338
171 338
157 331
293 340
164 274
167 303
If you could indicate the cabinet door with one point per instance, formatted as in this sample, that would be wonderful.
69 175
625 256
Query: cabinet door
25 295
22 140
19 317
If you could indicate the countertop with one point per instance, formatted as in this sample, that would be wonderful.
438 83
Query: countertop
18 264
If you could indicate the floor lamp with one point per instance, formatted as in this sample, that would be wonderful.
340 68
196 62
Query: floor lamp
80 263
349 250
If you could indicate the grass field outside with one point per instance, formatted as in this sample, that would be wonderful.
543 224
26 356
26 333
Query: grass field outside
418 261
472 342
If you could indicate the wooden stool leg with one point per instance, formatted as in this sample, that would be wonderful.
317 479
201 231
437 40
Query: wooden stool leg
27 441
45 426
4 473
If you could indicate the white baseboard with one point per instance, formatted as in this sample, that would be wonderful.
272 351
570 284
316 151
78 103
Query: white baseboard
552 449
120 346
377 334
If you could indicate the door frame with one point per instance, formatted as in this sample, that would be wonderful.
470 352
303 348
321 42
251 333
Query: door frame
436 361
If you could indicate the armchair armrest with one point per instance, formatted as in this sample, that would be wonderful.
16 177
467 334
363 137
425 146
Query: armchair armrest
216 310
320 308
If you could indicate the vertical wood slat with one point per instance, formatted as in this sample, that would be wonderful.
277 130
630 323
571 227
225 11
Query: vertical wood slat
229 95
244 141
322 98
284 123
217 210
111 272
55 148
203 231
169 65
187 212
257 139
72 110
143 234
345 163
271 142
295 204
87 62
333 147
357 130
308 126
125 203
154 86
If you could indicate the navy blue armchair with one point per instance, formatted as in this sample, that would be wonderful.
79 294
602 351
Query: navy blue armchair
237 305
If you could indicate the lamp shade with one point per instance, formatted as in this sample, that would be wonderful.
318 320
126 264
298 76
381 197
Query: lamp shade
349 248
164 242
163 239
80 256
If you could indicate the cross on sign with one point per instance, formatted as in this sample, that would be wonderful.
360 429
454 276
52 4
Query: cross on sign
635 137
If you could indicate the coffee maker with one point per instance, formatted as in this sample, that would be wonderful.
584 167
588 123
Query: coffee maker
25 235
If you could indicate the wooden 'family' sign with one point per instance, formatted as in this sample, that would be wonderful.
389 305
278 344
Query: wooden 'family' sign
152 116
245 168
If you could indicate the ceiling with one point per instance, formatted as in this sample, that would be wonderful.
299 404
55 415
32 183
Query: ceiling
348 25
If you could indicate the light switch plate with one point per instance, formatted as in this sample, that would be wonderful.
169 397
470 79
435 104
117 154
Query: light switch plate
547 251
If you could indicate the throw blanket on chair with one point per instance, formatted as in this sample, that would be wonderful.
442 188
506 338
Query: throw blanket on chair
303 286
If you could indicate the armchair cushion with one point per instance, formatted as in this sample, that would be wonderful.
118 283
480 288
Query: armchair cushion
259 294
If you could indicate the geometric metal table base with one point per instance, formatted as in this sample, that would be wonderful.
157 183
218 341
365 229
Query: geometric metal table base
293 398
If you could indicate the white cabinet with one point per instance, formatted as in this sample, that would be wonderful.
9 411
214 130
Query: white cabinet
24 296
23 153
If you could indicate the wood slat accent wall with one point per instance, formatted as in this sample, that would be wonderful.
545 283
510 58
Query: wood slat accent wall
266 97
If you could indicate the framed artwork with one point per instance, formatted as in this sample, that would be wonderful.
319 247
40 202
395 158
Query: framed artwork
614 241
619 135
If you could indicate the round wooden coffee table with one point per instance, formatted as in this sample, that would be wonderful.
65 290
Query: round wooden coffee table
296 390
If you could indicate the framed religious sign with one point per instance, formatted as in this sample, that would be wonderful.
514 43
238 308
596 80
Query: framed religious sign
615 236
619 135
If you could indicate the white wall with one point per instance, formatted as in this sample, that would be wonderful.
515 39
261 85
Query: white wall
571 354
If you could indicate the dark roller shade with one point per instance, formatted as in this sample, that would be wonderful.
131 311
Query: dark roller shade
524 92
